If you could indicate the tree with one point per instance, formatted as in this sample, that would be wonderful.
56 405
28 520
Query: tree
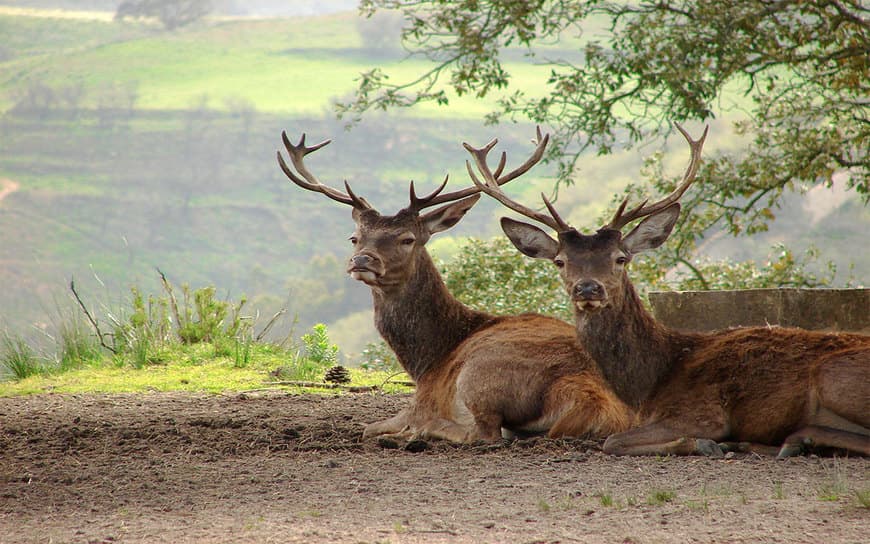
171 13
801 66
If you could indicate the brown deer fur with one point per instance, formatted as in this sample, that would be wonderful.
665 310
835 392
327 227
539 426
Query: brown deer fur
476 374
764 385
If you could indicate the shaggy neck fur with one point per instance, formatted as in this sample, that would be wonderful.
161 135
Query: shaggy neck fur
421 321
635 352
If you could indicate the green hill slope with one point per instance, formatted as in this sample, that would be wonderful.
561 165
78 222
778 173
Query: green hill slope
134 148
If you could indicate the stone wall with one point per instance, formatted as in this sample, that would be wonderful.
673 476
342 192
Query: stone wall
815 309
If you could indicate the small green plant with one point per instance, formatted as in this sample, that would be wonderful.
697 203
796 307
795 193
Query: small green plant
202 317
699 505
242 350
544 506
605 498
17 358
836 487
76 344
318 348
659 497
778 492
863 498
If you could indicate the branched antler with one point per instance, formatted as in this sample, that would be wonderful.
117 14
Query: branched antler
621 218
308 180
493 180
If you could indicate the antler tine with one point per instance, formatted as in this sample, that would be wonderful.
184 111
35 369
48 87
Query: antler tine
492 182
418 203
621 219
563 226
535 158
492 188
297 153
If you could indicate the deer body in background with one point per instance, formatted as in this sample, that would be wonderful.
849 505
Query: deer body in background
774 386
476 374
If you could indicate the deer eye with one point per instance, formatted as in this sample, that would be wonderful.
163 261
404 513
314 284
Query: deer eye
621 260
559 263
407 241
353 240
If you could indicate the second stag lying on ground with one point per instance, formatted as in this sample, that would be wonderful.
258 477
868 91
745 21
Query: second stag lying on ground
475 373
765 385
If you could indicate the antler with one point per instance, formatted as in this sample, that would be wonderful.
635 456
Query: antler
297 153
493 180
621 219
480 155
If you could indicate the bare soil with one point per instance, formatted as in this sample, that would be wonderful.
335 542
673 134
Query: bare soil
277 467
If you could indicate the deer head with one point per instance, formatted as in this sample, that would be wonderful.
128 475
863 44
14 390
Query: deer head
386 247
592 266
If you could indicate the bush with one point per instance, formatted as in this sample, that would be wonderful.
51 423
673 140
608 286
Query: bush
17 358
492 276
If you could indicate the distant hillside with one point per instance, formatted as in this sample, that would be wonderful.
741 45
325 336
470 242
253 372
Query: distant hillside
134 148
258 8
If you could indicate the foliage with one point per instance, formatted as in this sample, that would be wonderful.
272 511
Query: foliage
204 318
17 358
171 13
318 348
76 345
801 66
377 356
491 275
782 269
232 358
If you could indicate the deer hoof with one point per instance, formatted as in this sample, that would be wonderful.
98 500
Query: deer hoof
790 450
709 448
416 445
388 443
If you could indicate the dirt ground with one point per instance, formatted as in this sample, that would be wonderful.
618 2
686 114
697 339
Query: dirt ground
277 467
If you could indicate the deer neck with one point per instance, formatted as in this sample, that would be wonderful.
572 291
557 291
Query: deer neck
633 350
421 321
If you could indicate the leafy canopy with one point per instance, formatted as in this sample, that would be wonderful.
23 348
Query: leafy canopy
620 73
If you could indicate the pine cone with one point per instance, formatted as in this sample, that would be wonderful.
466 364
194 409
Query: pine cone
337 374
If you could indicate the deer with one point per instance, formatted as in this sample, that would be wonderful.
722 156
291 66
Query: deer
696 393
479 377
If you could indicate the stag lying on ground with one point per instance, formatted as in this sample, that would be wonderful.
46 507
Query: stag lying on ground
765 385
476 373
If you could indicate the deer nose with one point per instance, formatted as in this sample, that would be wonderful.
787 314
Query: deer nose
361 261
588 289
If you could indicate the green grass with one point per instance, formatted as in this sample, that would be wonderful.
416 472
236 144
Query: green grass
198 372
606 499
17 359
183 340
266 62
660 496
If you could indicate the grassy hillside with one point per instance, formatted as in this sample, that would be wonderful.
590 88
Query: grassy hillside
134 148
283 66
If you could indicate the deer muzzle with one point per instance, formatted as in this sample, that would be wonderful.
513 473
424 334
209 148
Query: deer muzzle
588 295
364 267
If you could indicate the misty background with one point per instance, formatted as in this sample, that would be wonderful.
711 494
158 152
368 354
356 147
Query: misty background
127 146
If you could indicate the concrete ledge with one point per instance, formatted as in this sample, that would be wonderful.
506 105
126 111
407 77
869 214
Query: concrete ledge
814 309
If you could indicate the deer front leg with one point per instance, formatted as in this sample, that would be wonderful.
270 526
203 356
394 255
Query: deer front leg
818 436
662 439
399 423
444 429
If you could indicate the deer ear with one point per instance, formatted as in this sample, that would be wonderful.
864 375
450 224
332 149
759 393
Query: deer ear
446 216
529 239
652 231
